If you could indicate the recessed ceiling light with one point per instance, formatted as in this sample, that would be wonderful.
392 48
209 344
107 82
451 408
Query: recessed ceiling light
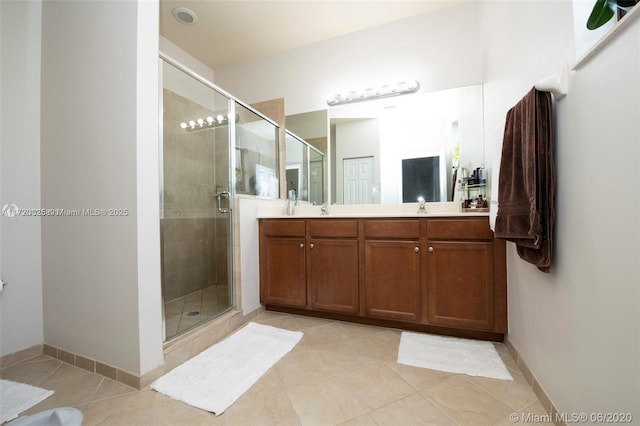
184 15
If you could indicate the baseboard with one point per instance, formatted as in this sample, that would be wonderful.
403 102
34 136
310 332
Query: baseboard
175 352
546 402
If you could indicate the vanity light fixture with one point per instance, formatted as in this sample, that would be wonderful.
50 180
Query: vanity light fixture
205 123
369 93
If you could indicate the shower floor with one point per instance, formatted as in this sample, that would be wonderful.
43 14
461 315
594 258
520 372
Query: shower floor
190 310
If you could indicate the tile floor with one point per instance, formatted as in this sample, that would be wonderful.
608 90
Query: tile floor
339 373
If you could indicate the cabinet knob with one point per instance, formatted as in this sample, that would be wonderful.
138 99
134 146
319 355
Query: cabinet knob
311 245
417 249
301 245
430 249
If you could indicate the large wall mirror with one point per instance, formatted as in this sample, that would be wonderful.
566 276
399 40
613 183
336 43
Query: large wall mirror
307 143
304 170
394 150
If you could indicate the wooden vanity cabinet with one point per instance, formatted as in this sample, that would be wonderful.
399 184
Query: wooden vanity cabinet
333 265
283 263
462 275
392 269
444 275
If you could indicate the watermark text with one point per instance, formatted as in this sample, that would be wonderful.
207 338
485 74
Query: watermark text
12 210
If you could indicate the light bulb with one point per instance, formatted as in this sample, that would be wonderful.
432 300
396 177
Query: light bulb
192 124
200 122
183 125
220 118
210 120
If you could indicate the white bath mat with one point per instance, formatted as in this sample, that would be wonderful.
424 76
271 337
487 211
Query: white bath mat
451 354
215 378
17 397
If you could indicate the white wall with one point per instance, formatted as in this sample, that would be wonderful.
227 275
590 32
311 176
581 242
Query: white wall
99 150
177 54
430 48
150 333
577 327
249 267
20 259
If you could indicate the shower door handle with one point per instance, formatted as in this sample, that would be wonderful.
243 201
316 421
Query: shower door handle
219 197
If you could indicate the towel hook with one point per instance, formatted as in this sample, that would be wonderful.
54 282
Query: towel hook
556 83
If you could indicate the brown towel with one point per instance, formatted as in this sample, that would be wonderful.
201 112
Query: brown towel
527 180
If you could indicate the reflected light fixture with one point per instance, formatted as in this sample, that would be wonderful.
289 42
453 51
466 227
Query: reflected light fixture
370 93
205 123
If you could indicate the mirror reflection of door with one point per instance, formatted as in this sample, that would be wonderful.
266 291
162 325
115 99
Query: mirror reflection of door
358 180
316 184
293 179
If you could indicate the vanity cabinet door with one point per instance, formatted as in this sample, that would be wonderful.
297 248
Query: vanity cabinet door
282 263
332 272
392 279
460 282
282 272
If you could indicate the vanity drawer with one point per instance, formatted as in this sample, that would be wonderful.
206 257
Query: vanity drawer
396 229
283 228
459 229
333 228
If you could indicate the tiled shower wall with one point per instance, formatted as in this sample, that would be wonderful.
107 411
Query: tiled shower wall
195 168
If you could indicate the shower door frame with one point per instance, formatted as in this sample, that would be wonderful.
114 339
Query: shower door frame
231 108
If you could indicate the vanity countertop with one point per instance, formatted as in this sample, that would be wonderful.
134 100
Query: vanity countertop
444 209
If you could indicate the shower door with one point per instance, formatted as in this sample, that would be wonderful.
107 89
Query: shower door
195 201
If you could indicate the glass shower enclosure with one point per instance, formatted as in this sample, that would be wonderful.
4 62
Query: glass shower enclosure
212 147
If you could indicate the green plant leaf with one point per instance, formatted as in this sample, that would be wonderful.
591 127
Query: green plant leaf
602 12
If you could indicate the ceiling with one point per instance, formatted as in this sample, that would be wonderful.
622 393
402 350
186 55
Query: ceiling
228 32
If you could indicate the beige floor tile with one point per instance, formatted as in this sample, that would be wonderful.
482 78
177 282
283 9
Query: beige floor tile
412 410
383 346
363 420
324 402
285 322
266 316
273 409
32 373
517 394
65 371
506 357
146 407
302 367
364 352
204 419
351 330
376 385
38 358
322 335
340 373
269 384
532 414
419 378
344 358
465 403
109 388
68 391
305 323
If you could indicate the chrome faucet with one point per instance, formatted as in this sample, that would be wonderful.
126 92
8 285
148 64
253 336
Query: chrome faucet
421 205
324 209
